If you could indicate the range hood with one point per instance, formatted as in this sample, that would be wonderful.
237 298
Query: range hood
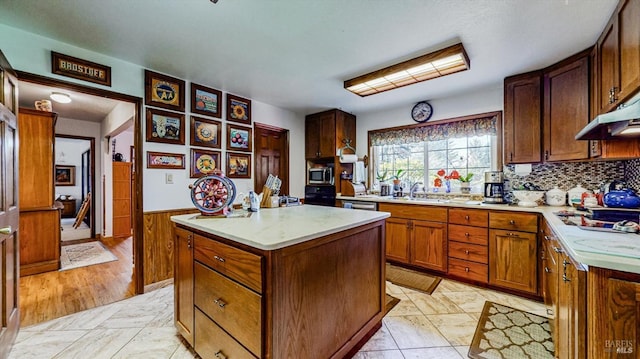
621 123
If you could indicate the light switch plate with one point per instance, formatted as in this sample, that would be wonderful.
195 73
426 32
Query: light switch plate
168 178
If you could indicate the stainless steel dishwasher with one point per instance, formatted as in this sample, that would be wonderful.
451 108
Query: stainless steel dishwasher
364 205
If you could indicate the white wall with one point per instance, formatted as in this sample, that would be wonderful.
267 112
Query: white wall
67 126
32 53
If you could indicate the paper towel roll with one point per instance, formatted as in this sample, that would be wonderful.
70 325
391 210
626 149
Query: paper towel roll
348 158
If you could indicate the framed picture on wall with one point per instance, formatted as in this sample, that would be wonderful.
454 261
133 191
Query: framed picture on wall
165 160
205 133
206 100
65 175
163 91
238 109
165 127
239 138
204 162
238 165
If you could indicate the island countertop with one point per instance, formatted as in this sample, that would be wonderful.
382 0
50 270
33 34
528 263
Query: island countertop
275 228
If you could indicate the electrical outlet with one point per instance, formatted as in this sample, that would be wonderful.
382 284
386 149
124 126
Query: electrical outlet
168 178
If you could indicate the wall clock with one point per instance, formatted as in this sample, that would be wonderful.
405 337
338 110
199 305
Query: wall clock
421 112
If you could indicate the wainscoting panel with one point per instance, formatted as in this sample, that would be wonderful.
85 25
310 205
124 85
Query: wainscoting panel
158 244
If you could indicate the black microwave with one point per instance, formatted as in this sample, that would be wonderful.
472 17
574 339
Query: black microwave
320 175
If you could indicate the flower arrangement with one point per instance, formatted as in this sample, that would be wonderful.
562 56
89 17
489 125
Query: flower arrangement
442 177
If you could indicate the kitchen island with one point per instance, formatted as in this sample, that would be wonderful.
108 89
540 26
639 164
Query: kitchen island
296 282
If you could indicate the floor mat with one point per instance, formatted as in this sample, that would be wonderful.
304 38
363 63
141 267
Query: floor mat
505 332
412 279
84 254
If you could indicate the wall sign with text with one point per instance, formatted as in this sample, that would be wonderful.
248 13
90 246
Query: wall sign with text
80 69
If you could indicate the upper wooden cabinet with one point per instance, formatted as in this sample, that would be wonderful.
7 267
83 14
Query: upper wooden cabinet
619 56
566 109
37 132
522 113
325 132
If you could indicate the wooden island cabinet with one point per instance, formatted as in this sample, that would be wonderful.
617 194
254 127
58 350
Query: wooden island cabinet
296 282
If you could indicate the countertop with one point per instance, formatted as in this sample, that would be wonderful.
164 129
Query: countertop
274 228
618 251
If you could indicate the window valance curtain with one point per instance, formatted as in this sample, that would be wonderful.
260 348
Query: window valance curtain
434 132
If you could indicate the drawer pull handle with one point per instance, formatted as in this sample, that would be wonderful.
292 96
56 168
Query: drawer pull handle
219 355
557 250
511 234
565 278
512 222
466 269
466 234
221 303
466 217
466 251
219 258
546 238
547 270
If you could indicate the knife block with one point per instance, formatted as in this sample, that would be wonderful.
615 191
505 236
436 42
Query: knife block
266 197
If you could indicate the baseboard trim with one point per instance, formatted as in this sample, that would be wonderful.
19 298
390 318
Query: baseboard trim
157 285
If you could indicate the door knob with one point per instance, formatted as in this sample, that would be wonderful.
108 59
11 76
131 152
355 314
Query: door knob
5 230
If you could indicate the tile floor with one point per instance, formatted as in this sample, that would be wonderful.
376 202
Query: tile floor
421 326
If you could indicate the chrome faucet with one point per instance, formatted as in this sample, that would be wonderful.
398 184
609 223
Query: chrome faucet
413 189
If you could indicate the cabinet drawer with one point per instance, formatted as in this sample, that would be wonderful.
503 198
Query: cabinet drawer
421 212
470 217
526 222
232 306
469 270
468 234
240 265
469 252
213 342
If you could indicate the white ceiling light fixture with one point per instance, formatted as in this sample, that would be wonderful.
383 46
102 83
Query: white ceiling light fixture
60 97
426 67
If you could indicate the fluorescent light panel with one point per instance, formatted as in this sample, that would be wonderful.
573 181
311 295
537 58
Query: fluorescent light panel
426 67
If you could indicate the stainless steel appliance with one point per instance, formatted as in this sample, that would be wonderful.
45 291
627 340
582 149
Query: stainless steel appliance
364 205
320 195
320 175
494 187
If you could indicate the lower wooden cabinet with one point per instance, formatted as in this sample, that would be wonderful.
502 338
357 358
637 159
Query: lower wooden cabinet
183 283
570 320
224 346
613 308
411 239
513 260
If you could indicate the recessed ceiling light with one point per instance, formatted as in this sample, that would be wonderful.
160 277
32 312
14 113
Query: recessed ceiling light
426 67
60 97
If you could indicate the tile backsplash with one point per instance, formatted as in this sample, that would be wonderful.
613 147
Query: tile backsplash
632 173
568 175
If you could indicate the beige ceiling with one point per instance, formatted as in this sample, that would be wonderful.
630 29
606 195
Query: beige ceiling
296 54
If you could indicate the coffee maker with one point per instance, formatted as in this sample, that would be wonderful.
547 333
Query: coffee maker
494 187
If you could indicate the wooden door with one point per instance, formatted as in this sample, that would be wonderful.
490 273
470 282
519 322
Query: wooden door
513 260
121 199
183 282
398 233
429 243
9 211
566 110
522 118
608 65
271 156
312 129
629 50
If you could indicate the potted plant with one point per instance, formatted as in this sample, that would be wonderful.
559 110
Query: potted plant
465 183
397 176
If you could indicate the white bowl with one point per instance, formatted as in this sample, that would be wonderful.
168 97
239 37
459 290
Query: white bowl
528 198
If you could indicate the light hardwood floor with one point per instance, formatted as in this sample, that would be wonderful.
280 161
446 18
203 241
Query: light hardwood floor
55 294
